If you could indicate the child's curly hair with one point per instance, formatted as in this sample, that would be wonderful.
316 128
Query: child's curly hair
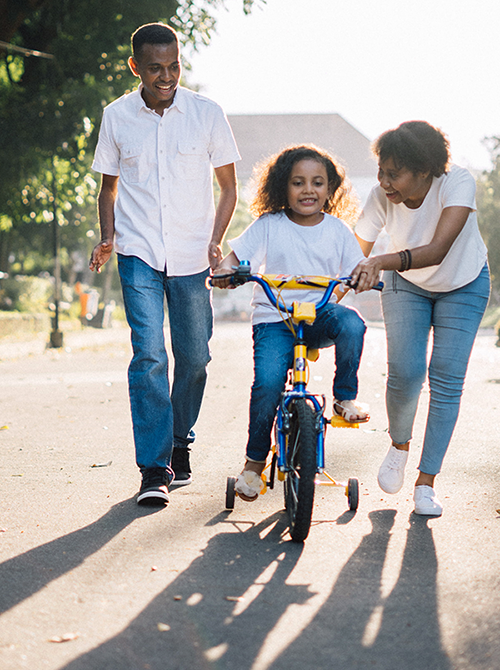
273 174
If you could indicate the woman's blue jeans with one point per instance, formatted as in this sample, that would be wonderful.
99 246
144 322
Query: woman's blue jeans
273 357
161 418
410 314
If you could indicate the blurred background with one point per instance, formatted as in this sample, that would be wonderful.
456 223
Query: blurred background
285 71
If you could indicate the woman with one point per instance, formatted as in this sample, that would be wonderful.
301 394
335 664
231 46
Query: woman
436 278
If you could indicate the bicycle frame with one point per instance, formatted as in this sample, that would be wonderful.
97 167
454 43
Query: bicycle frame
302 313
300 358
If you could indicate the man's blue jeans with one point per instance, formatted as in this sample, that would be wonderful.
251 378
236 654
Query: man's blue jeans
273 357
410 313
159 418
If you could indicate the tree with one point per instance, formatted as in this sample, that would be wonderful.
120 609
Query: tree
51 103
488 207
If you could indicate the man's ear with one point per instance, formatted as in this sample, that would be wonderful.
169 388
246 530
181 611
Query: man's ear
132 63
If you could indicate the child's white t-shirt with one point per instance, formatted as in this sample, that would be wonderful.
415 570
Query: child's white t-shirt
276 245
411 228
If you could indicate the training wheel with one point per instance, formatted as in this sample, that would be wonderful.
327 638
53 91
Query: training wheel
353 494
230 492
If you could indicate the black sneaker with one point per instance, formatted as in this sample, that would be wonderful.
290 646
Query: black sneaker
154 490
181 467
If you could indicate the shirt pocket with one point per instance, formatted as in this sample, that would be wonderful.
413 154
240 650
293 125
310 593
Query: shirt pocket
193 159
131 163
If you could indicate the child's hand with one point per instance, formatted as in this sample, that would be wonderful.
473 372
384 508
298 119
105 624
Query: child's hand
225 267
223 282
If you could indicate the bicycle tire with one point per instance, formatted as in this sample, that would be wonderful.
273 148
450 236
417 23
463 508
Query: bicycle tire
230 492
353 494
301 469
272 471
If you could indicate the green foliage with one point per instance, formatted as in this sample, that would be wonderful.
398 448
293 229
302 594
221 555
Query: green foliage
50 111
25 294
488 206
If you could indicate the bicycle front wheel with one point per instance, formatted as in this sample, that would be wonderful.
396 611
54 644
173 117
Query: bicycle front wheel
301 469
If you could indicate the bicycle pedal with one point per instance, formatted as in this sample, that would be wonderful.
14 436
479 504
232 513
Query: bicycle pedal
337 421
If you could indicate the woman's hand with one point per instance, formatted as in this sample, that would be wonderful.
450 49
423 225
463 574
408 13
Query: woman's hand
366 274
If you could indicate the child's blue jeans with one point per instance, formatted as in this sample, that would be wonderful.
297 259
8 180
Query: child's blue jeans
273 357
410 313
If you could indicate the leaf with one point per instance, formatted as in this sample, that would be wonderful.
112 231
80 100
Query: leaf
4 427
67 637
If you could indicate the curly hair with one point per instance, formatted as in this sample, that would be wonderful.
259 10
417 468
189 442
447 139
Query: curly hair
416 145
272 177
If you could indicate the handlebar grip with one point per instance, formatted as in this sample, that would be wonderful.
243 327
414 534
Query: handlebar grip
377 287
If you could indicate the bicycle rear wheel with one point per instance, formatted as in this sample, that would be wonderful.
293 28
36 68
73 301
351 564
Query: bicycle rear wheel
301 469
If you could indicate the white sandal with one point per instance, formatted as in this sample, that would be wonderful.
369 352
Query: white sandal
351 411
249 485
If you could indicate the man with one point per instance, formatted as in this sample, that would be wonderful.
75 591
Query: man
156 149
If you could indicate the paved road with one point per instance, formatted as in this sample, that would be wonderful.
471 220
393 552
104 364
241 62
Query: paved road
192 586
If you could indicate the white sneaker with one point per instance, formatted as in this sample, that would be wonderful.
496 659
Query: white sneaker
391 475
426 502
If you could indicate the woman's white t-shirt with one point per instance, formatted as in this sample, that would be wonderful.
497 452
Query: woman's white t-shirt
276 245
411 228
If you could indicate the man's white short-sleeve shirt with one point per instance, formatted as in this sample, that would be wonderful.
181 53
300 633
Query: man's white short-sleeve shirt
164 211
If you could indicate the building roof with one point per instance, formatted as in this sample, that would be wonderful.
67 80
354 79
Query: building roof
261 135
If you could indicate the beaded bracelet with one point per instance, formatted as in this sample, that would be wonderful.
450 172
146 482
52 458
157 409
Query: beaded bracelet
402 256
406 260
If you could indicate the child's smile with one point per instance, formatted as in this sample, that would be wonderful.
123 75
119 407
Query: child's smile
308 191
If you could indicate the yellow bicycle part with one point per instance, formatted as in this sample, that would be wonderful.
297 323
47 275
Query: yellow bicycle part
339 422
304 311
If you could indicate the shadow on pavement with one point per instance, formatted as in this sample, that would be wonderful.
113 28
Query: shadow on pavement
358 628
28 573
206 629
212 626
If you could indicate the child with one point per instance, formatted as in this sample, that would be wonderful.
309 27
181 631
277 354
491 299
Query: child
299 193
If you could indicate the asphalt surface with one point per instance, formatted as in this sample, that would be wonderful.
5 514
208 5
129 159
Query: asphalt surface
89 581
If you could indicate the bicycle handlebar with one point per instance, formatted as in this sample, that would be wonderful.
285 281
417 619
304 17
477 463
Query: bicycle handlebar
242 274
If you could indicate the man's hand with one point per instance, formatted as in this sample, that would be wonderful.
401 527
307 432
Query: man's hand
100 255
214 255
